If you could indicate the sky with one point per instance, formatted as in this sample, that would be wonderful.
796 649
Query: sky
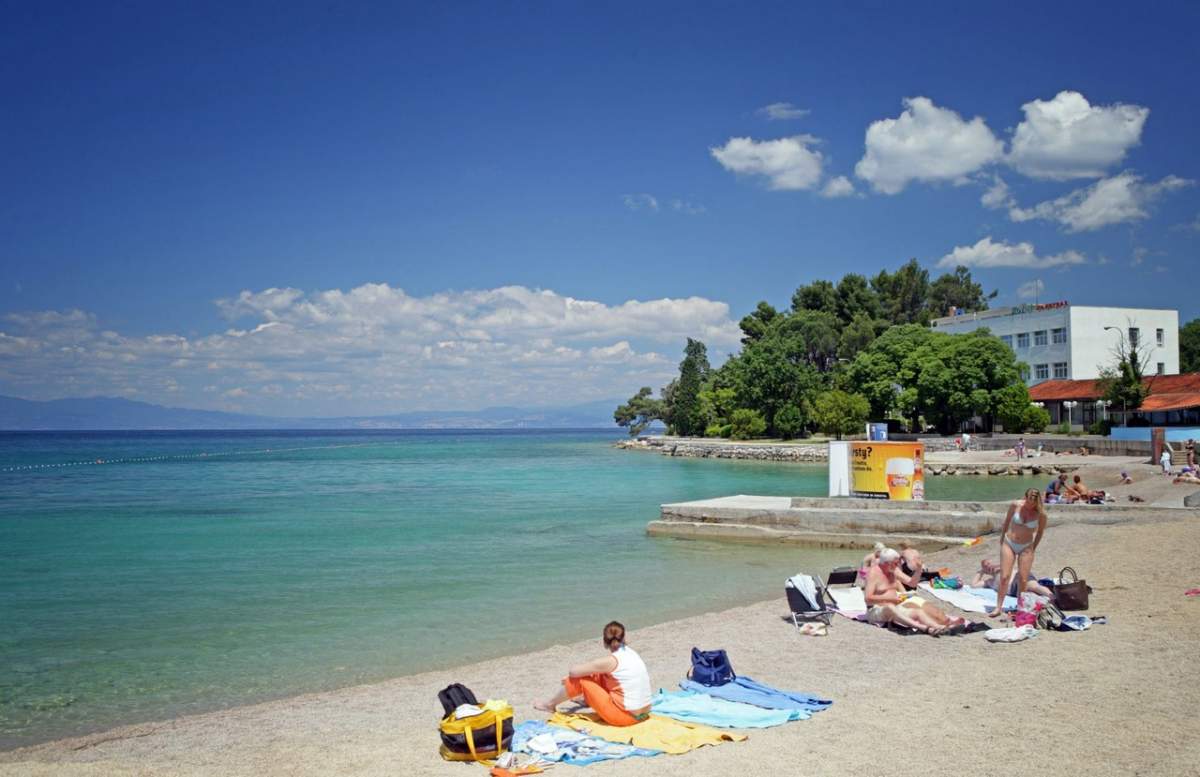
326 209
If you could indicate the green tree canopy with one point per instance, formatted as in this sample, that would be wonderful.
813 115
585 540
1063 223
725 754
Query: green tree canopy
686 415
957 290
1189 346
639 412
836 412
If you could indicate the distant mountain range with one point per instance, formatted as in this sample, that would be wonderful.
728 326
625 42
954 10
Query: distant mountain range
96 413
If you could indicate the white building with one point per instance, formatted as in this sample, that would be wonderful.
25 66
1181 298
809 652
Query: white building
1060 340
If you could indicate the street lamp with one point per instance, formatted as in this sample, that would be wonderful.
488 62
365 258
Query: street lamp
1120 334
1068 405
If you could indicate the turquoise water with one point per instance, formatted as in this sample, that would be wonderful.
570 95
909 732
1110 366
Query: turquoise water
191 571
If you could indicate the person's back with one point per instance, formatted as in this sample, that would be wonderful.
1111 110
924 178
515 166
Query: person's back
632 677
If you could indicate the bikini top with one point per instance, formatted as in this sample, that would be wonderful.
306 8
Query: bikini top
1028 524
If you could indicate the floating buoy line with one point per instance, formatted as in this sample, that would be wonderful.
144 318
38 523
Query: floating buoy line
177 457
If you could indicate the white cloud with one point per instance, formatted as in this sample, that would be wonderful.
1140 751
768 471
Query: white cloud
371 349
1139 255
782 111
1115 200
987 253
1067 137
1031 290
1190 226
997 196
787 163
640 201
925 143
689 208
840 186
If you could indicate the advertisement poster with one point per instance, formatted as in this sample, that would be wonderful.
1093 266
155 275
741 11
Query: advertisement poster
887 470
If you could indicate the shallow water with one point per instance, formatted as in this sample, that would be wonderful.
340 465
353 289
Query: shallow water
192 571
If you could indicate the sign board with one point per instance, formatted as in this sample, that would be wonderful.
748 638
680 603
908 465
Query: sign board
887 470
876 431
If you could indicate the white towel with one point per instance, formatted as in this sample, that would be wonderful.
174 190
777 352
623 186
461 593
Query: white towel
959 598
850 601
807 588
1011 634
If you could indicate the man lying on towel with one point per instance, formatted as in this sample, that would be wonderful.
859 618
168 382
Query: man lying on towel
889 602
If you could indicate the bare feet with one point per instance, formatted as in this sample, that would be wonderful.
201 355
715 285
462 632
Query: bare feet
995 613
544 706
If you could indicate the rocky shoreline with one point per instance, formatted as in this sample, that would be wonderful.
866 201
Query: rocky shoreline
810 453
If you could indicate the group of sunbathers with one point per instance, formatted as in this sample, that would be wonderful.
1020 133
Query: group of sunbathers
888 577
1061 491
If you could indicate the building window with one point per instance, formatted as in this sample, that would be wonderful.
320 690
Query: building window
1007 340
1158 335
1060 369
1023 340
1162 368
1058 336
1041 371
1133 336
1039 338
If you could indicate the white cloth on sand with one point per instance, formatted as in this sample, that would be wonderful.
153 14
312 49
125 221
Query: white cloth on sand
969 599
850 601
1010 634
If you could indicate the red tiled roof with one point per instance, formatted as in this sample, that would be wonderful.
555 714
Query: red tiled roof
1166 392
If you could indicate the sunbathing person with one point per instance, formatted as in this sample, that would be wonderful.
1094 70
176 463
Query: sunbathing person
889 602
868 561
911 565
1187 477
616 687
988 576
1081 493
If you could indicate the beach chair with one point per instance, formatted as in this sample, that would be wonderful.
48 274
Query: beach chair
842 576
808 600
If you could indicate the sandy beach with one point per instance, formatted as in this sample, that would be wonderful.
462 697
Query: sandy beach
1113 700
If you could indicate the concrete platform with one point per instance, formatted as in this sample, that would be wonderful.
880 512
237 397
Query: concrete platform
860 523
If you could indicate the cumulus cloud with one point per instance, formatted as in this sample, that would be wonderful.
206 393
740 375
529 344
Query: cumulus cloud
787 163
1068 137
640 201
925 143
371 349
782 111
997 196
1031 290
1122 198
840 186
987 253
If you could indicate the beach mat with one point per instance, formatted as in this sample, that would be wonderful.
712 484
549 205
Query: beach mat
968 600
694 707
564 745
850 602
655 733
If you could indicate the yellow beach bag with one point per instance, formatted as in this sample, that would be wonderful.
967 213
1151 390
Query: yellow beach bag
480 737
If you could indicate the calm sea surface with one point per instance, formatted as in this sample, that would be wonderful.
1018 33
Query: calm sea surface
166 573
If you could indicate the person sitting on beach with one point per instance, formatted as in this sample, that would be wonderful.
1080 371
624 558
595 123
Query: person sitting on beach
1056 490
988 576
617 686
1125 479
1083 451
1079 492
868 561
1187 476
889 602
1189 450
911 565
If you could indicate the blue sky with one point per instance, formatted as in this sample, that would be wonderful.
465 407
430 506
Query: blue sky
299 209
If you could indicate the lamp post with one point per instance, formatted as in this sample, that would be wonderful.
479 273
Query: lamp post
1120 334
1068 405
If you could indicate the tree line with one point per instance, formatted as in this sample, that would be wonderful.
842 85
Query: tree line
843 353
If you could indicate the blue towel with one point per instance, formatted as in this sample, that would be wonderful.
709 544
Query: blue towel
694 707
572 746
748 691
989 594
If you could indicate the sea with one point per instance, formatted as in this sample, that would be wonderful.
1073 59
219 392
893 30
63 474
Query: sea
146 575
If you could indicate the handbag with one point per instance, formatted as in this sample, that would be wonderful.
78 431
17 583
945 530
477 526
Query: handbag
1072 595
711 667
1050 618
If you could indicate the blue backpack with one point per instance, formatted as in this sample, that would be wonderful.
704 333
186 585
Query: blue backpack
711 667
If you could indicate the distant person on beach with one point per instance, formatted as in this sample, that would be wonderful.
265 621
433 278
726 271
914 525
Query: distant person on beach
911 565
1165 461
1187 476
889 602
1019 538
617 686
988 576
1189 448
1125 479
868 561
1081 493
1019 448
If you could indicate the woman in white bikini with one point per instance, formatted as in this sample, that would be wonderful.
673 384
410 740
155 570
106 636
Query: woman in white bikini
1019 537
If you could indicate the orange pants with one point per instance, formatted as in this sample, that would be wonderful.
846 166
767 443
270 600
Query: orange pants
602 694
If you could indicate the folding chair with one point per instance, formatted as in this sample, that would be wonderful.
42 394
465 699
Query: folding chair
811 606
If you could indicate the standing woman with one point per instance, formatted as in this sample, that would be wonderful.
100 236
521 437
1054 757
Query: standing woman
1019 537
616 687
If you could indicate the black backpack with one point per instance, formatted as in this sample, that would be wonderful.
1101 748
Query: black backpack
453 695
483 738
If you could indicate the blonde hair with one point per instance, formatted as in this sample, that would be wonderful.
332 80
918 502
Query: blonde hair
1039 501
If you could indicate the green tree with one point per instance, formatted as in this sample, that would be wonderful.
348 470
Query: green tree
1012 406
957 290
818 296
1036 419
639 412
903 294
856 336
836 412
755 325
790 422
747 424
855 298
717 405
687 417
1189 346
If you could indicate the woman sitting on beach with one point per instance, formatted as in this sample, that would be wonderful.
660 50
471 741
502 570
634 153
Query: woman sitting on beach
1056 490
1187 476
868 561
911 565
888 601
616 687
988 576
1019 537
1079 492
